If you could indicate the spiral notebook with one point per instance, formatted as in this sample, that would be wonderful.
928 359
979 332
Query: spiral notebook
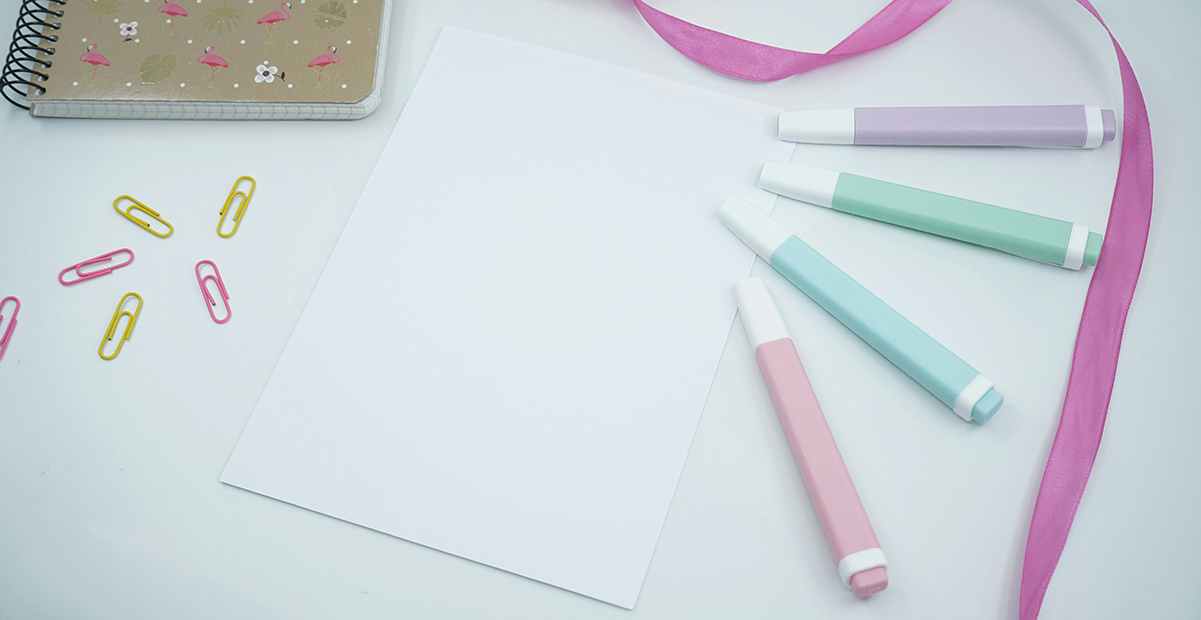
198 59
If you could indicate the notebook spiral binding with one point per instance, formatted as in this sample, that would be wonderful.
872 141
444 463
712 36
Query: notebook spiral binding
36 19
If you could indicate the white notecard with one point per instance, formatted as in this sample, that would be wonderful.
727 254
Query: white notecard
509 350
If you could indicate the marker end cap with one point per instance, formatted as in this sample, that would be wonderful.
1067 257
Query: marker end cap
868 582
1109 125
987 406
1092 249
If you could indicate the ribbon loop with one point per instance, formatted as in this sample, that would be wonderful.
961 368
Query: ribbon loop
763 63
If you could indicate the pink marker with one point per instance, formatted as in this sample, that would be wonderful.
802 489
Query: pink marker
861 561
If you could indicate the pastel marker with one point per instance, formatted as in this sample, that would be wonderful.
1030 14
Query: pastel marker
1055 126
861 561
950 379
1039 238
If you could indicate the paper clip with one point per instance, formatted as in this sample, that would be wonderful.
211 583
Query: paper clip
243 202
212 303
12 322
137 206
94 261
112 326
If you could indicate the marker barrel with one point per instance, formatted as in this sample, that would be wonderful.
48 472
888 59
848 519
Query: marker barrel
848 530
1031 236
1049 126
936 368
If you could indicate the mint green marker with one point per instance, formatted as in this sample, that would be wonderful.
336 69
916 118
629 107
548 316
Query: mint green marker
1039 238
953 381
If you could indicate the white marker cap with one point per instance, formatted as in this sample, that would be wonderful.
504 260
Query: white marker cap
756 229
1095 127
800 182
759 313
835 126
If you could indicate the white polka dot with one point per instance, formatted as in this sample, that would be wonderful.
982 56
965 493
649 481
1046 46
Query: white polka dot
85 40
295 42
189 40
129 83
77 84
116 21
266 62
343 86
348 42
289 85
243 41
181 84
235 85
168 21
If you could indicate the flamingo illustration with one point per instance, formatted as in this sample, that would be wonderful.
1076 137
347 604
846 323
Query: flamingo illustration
94 59
274 17
174 10
325 60
212 60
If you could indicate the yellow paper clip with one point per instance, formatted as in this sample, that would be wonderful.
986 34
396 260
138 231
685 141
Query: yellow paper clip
242 204
112 326
137 206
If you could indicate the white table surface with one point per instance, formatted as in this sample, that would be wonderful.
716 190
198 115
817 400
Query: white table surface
109 500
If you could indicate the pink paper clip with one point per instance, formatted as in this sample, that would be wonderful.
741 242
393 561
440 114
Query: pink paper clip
12 322
78 269
212 303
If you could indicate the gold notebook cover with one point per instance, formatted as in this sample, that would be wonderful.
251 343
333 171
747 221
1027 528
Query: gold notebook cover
317 51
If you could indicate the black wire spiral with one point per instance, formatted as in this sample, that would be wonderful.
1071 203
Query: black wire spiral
22 64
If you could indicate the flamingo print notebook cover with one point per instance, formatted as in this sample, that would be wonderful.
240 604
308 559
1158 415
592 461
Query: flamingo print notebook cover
198 59
509 349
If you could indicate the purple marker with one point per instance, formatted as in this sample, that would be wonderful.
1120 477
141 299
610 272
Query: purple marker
1055 126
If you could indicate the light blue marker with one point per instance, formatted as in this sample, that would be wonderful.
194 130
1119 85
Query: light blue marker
952 380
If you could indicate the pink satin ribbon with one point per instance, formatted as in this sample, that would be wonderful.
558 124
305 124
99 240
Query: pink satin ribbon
1099 338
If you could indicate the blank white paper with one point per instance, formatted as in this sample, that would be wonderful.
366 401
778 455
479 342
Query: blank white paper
509 350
